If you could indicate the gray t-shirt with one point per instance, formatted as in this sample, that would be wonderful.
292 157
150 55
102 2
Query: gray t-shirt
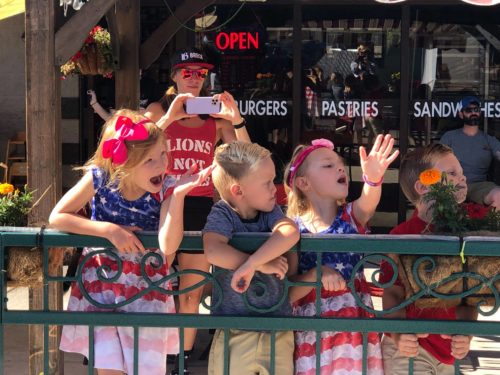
474 153
265 291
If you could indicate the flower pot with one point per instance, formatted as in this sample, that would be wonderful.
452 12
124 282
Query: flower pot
92 61
446 266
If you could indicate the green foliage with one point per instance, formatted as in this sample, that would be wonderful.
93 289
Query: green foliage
14 207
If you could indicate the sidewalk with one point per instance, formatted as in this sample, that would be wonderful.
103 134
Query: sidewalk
483 359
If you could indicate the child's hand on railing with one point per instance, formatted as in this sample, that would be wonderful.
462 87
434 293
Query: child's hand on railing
460 345
407 343
277 266
124 239
331 279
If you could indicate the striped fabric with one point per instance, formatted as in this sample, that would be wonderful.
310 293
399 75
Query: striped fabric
114 345
341 352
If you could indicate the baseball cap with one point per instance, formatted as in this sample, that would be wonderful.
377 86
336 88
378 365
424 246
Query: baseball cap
189 56
470 99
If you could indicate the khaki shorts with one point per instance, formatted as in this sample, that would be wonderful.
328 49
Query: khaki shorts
249 353
423 364
477 191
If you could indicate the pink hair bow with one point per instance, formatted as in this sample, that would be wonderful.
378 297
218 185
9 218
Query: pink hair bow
315 144
126 130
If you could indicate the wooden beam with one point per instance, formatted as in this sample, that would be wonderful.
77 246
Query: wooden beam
154 45
127 77
70 37
43 117
115 38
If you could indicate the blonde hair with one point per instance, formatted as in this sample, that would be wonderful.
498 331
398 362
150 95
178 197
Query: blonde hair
234 161
297 203
136 150
414 163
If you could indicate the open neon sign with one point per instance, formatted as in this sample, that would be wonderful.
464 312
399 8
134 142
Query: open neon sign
237 40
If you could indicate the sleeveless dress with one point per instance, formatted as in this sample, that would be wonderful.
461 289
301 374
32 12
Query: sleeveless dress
341 352
114 346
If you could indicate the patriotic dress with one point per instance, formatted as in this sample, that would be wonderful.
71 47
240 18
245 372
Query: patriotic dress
114 346
341 352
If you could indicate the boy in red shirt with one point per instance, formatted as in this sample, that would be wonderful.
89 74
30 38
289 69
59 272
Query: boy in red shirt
432 353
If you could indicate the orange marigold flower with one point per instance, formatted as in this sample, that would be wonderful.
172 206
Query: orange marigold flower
430 177
6 188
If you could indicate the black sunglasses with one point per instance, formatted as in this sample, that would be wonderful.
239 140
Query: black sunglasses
472 110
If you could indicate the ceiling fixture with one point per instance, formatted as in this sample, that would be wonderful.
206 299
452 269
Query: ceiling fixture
482 2
389 1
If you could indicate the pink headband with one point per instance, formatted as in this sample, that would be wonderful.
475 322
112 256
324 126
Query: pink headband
126 130
315 144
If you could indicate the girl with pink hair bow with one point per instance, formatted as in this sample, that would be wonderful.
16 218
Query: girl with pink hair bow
317 186
125 182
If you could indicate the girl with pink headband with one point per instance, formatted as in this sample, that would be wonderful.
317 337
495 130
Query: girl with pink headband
317 187
126 182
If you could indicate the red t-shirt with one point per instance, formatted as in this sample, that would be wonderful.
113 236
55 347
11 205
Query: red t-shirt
437 346
188 146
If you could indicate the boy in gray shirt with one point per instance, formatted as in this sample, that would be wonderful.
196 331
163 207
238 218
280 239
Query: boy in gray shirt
244 178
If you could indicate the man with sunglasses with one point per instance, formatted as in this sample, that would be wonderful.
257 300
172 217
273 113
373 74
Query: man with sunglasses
475 150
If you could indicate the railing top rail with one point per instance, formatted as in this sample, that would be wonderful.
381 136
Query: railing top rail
398 244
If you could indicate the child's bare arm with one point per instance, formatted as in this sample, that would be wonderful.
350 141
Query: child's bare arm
220 253
331 280
285 234
64 217
373 166
171 215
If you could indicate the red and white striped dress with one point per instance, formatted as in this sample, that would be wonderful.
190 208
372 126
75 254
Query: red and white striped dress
114 346
341 352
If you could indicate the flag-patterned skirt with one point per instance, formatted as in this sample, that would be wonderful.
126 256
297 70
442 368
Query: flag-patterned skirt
341 352
114 346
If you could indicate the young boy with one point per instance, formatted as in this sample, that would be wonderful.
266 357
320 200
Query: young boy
244 179
432 353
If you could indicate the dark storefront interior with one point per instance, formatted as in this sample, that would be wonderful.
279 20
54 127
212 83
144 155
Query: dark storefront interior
332 69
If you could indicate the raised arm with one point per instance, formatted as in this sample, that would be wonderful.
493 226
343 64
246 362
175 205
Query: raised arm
373 167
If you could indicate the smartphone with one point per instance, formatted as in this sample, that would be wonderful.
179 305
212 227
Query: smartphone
202 105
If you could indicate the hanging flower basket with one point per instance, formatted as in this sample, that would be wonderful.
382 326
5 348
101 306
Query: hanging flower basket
94 58
452 218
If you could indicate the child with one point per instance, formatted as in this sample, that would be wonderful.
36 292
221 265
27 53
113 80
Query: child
317 184
434 354
126 183
244 179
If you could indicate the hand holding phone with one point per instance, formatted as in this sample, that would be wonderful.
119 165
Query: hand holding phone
203 105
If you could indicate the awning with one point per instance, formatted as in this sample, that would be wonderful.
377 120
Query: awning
9 8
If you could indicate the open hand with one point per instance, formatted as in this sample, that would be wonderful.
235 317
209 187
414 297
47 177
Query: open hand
229 109
124 239
190 179
378 160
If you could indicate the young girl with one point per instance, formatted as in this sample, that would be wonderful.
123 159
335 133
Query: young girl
125 181
317 184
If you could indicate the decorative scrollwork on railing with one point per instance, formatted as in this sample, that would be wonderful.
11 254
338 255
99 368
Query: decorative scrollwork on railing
106 274
425 265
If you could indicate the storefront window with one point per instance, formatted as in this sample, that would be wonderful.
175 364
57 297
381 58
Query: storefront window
454 54
351 70
254 61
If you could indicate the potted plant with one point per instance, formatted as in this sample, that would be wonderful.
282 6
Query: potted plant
447 275
95 57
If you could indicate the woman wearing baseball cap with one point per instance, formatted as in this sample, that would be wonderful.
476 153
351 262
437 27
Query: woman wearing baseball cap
191 140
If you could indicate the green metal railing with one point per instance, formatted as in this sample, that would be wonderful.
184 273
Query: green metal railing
373 247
